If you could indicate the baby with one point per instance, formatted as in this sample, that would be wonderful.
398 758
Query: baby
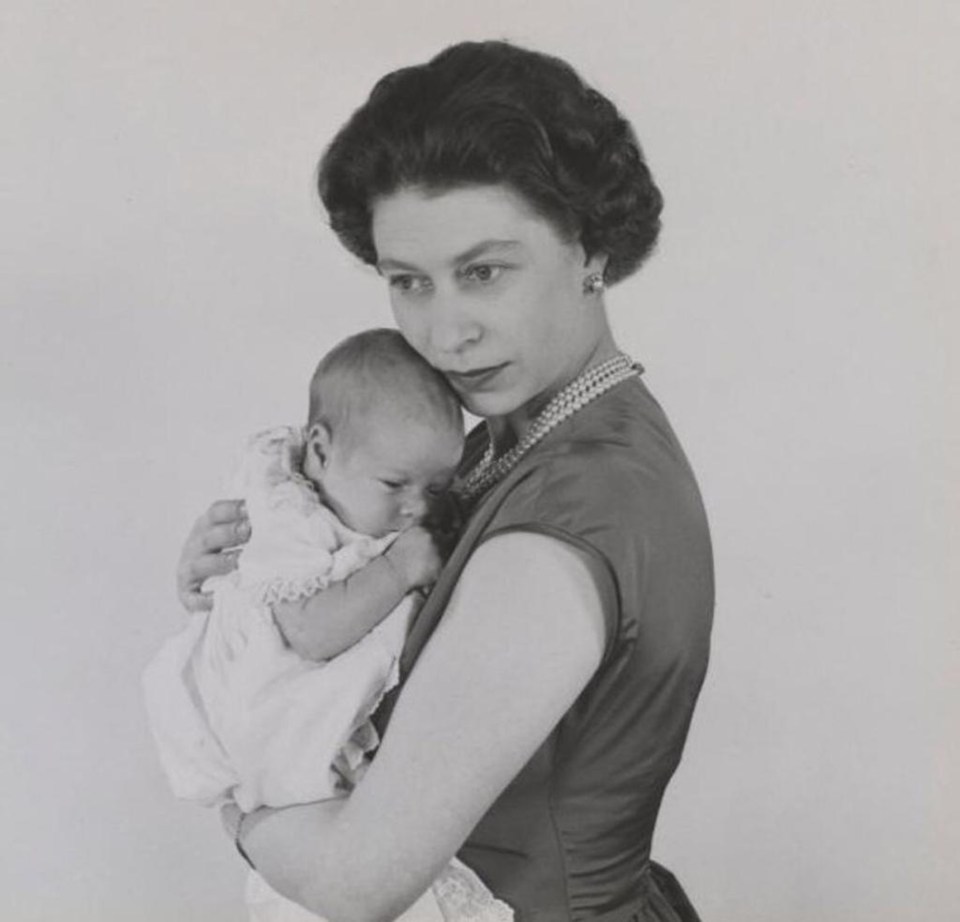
267 699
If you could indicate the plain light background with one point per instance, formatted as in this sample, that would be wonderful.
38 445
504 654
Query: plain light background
169 283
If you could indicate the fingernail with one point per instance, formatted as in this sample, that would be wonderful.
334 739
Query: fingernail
243 529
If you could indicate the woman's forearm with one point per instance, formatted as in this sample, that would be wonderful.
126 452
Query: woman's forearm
307 854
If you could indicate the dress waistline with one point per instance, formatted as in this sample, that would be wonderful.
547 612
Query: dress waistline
660 898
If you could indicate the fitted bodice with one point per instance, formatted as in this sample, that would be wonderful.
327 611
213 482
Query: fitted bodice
570 836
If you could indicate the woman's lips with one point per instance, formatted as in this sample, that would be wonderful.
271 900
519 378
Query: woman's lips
477 378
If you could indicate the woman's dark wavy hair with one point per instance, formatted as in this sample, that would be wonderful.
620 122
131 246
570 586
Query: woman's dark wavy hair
489 112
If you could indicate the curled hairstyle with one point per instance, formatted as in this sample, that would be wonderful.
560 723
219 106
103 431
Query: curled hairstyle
378 370
492 113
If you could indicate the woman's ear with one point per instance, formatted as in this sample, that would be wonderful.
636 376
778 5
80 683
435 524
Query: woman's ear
596 264
593 279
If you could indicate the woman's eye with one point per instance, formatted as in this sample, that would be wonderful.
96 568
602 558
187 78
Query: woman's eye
409 284
483 273
392 484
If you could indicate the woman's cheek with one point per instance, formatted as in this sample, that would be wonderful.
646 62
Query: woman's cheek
402 317
413 330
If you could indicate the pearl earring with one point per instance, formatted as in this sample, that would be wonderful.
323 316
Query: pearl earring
593 284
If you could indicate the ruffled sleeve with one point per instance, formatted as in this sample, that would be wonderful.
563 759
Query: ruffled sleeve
297 546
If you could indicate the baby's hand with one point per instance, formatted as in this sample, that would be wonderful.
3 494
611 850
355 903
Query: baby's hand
415 557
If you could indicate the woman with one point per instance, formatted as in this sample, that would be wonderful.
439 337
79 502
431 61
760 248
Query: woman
552 674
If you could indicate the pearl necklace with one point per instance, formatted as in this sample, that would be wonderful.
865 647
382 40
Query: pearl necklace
583 389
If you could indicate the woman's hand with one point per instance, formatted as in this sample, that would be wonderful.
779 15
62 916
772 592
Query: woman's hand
208 551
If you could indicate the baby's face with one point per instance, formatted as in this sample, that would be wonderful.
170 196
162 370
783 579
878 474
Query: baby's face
384 480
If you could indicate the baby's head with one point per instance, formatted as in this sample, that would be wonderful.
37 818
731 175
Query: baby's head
384 433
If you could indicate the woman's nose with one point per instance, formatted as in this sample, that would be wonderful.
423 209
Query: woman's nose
452 326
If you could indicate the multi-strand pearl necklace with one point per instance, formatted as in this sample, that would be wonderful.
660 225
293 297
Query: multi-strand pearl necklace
583 389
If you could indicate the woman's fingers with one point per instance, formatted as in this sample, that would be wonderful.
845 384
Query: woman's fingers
224 511
231 817
202 568
219 537
194 572
195 602
224 525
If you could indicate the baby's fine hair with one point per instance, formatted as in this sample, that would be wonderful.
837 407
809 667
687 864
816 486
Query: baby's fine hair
379 371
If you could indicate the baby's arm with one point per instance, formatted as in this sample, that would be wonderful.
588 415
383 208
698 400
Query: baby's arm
328 622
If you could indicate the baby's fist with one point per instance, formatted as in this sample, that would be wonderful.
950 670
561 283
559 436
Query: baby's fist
415 557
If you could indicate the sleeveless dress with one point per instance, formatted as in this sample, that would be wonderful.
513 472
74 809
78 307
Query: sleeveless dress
569 838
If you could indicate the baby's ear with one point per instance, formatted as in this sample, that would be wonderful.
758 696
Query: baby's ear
318 442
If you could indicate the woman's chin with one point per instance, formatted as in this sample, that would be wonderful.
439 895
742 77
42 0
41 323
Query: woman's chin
488 404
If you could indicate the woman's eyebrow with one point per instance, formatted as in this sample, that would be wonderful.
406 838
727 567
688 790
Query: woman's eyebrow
383 264
478 249
485 246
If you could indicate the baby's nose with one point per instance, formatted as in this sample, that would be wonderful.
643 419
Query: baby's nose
415 507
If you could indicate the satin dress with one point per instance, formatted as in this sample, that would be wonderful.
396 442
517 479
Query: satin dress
569 839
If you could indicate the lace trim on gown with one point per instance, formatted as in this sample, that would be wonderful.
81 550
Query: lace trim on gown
463 897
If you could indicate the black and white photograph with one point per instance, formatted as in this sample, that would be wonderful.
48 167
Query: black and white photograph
480 462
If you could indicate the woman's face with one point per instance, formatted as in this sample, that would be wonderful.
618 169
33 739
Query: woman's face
488 292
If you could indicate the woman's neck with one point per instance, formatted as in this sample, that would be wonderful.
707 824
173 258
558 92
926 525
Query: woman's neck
507 430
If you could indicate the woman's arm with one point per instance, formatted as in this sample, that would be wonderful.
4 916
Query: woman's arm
521 637
334 619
